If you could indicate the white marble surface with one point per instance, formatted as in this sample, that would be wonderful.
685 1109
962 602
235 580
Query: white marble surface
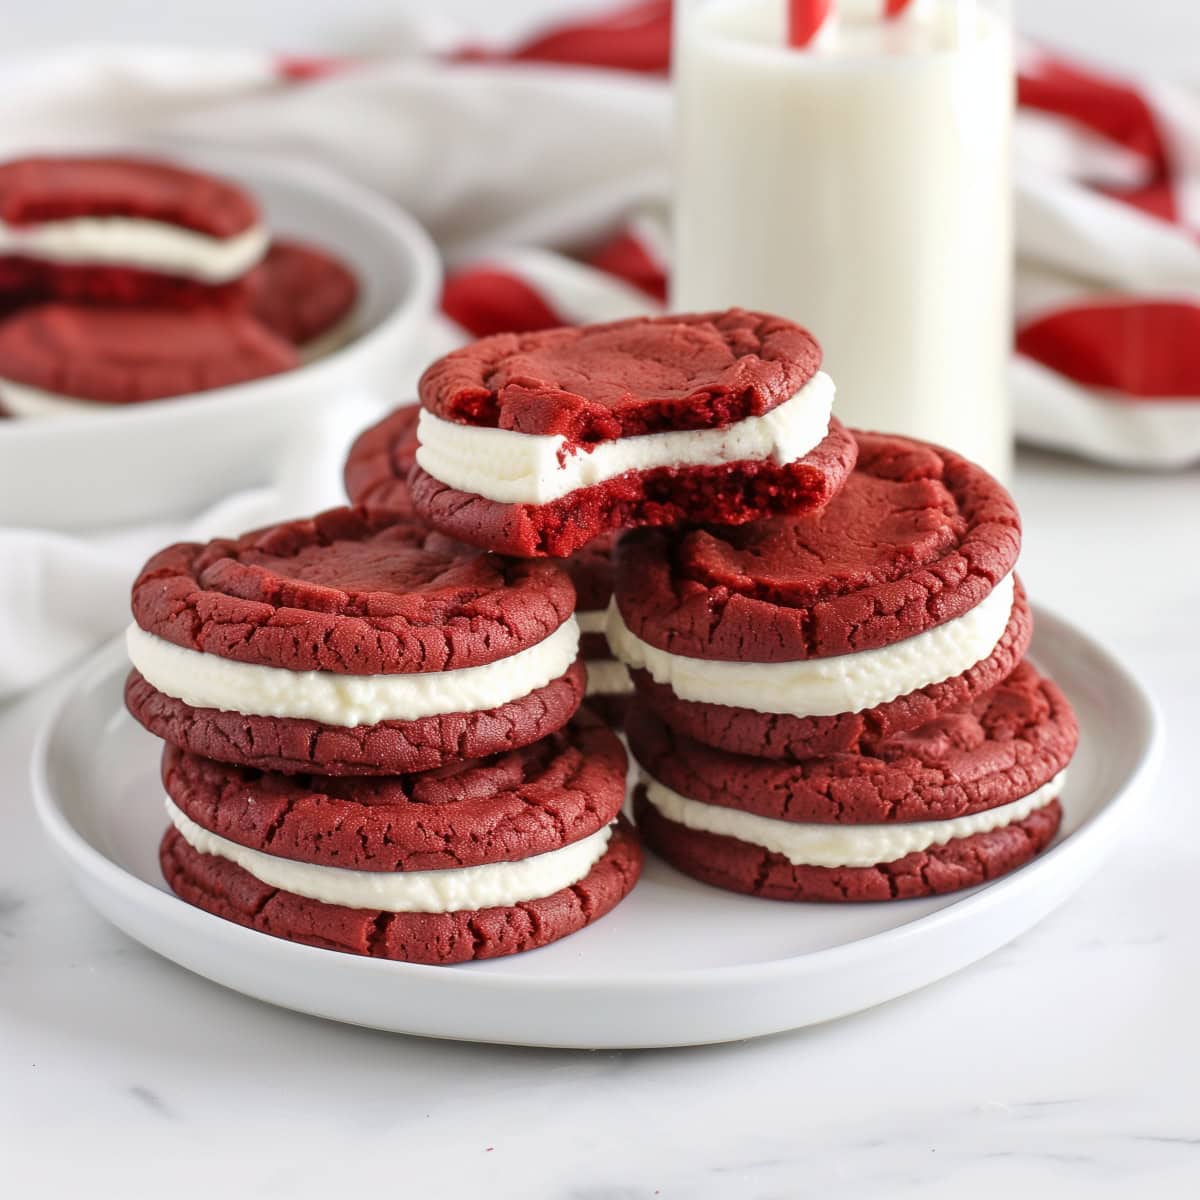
1066 1065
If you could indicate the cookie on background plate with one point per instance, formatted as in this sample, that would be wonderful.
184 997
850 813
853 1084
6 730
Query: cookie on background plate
57 360
474 861
376 475
800 636
306 296
534 444
120 230
351 643
381 460
962 800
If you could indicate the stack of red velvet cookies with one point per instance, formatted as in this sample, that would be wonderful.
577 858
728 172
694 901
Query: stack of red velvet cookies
832 701
125 280
375 735
375 742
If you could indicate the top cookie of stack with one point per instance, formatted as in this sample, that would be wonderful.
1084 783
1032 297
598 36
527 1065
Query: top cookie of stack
535 444
129 279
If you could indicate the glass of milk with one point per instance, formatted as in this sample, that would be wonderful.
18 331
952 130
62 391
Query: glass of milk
861 186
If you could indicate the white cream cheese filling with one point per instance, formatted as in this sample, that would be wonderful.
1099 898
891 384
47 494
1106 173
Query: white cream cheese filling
523 468
824 687
454 889
808 844
607 677
136 242
210 681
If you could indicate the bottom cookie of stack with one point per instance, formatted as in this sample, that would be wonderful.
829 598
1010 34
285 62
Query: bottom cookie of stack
963 800
483 859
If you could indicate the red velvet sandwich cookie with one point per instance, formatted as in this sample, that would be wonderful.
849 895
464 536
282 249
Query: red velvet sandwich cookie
381 460
476 860
306 296
534 444
59 359
966 798
803 636
124 231
352 643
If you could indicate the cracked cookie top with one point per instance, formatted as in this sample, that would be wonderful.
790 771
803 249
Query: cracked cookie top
595 383
916 537
1003 746
499 809
351 591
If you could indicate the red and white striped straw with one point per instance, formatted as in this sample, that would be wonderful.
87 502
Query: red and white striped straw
806 18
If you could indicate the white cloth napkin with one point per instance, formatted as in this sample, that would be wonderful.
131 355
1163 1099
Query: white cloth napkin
541 169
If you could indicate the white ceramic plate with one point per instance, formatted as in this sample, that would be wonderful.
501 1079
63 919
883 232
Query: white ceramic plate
138 462
676 964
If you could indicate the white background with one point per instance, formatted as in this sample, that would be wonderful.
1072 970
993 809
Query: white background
1065 1065
1161 35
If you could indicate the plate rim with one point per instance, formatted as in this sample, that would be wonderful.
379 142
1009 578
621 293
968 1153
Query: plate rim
102 870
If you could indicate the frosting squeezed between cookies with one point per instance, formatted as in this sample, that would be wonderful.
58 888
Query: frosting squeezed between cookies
810 844
210 681
825 687
523 468
453 889
136 242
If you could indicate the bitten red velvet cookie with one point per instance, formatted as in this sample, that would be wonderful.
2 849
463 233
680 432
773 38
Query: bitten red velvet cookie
476 860
801 636
352 643
376 475
306 296
57 359
381 460
965 798
124 231
534 444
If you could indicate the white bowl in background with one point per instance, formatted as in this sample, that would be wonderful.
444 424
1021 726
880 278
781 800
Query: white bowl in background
132 463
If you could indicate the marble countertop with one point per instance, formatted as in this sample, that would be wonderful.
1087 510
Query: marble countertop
1066 1064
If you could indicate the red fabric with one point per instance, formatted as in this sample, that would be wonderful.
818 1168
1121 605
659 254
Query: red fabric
1141 348
635 38
1113 110
627 258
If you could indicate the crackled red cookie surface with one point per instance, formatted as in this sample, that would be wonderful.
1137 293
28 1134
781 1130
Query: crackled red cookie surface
535 444
306 296
355 642
124 231
62 358
380 461
953 803
803 635
485 857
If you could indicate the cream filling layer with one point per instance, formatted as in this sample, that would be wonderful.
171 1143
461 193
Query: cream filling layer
135 242
523 468
818 845
492 885
607 677
209 681
825 687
